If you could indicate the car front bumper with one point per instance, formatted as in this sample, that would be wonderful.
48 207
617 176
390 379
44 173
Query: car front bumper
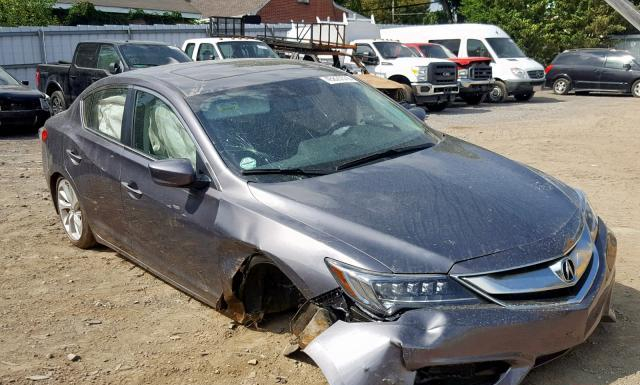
518 337
523 86
429 93
23 119
469 86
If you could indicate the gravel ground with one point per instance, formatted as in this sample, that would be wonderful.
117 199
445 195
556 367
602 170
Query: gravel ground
127 327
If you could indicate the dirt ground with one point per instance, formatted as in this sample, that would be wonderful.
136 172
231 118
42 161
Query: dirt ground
128 327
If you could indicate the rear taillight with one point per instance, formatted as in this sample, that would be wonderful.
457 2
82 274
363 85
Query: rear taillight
44 134
549 68
38 78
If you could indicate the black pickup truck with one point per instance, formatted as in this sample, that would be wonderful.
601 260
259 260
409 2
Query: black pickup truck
64 82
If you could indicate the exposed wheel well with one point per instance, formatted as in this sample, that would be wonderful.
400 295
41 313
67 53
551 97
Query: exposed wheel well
264 289
400 79
51 88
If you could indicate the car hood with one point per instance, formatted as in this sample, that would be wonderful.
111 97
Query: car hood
19 93
414 61
424 212
466 61
525 63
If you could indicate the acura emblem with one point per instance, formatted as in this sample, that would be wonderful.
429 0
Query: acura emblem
568 272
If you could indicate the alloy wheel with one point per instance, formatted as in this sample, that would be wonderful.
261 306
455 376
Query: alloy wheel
56 105
560 87
636 89
70 211
496 94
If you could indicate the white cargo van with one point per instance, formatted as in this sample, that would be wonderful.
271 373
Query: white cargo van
514 72
220 48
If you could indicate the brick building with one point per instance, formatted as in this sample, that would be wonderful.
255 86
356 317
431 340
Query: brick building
272 11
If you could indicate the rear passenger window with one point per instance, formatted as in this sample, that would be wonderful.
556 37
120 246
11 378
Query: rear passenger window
103 111
158 132
477 48
189 49
86 55
206 51
590 59
566 58
452 44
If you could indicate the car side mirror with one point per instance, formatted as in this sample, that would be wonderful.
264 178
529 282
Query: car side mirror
627 66
115 68
370 60
172 172
25 82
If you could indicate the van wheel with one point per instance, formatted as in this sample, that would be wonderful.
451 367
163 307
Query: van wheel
498 93
561 86
473 100
635 89
57 102
436 107
72 215
524 97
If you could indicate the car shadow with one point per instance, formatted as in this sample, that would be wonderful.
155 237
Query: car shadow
18 133
463 109
611 353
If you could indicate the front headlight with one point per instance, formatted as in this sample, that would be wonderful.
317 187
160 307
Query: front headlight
519 73
384 294
590 217
463 74
421 73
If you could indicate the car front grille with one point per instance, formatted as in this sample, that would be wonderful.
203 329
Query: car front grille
19 105
483 373
539 74
443 73
481 72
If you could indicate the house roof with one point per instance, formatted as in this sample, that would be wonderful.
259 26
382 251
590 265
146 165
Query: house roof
152 6
229 8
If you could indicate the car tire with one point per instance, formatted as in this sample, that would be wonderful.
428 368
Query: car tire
473 100
74 221
561 86
635 89
498 92
524 97
436 107
58 103
406 94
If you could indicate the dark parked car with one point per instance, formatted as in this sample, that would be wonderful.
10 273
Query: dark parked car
92 61
594 70
20 106
408 256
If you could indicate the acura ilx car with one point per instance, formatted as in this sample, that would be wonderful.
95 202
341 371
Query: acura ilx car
259 187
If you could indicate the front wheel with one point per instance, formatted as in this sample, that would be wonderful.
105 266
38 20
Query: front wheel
561 86
436 107
498 92
57 102
72 216
473 100
524 97
635 89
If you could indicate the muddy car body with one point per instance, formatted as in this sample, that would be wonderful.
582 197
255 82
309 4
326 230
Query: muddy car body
428 258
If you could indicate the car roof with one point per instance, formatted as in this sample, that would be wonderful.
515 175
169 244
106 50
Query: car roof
218 39
123 42
201 77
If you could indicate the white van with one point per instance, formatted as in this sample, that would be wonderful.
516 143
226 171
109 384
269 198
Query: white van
514 72
220 48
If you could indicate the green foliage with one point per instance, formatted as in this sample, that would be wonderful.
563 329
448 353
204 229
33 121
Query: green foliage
14 13
543 28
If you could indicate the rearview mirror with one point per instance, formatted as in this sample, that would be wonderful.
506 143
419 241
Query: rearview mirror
172 172
115 68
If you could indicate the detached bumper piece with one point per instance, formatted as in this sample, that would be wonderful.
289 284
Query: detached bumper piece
495 343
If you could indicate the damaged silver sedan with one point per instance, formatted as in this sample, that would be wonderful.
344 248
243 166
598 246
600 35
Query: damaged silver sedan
259 187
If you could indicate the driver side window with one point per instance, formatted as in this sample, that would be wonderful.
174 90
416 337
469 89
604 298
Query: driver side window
365 50
106 56
158 132
477 48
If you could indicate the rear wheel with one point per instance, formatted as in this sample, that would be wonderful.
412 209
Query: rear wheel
473 100
561 86
72 216
436 107
524 97
635 89
57 102
498 92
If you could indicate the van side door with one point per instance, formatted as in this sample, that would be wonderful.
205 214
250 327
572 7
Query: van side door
617 74
587 70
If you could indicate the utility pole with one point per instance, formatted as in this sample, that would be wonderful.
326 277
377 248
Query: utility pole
393 11
627 10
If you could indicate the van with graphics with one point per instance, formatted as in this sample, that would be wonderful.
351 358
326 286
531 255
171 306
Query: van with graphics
514 73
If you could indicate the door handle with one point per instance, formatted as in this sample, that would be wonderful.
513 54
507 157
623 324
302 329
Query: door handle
73 76
132 189
75 158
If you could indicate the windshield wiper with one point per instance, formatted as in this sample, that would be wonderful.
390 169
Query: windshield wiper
384 154
285 171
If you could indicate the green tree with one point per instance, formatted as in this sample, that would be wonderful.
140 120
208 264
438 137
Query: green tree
545 27
14 13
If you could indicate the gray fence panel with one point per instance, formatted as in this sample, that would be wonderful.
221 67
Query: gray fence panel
630 43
